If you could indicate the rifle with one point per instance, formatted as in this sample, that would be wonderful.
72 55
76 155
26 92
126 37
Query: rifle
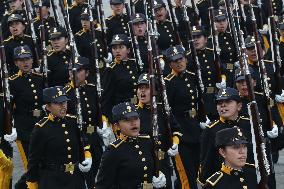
216 47
195 13
101 17
43 42
132 8
134 42
54 10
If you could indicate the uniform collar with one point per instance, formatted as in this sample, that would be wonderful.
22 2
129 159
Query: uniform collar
86 30
127 138
141 105
230 171
117 61
71 83
20 73
53 118
174 73
229 121
250 62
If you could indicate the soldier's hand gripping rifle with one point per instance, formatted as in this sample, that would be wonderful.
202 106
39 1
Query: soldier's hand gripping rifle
215 41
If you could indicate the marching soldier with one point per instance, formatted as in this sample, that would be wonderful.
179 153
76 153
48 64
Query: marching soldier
184 100
118 22
18 38
88 100
128 162
140 7
120 78
58 58
228 106
26 88
144 110
235 173
74 14
57 158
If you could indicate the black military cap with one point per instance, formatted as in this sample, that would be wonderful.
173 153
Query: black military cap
116 2
240 75
230 137
45 3
55 94
198 30
120 39
220 15
15 17
228 94
158 4
81 63
86 16
143 79
138 17
250 41
124 110
57 32
174 53
22 52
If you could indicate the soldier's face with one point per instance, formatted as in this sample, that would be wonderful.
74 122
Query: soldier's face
117 9
235 156
179 65
25 65
120 52
143 94
228 109
242 87
45 11
17 28
222 25
86 24
200 41
16 5
139 28
59 44
57 109
252 55
130 127
161 14
81 76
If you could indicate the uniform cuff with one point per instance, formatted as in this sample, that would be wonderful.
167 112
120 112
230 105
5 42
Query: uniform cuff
32 185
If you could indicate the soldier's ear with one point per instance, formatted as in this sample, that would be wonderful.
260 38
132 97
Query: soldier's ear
222 152
240 106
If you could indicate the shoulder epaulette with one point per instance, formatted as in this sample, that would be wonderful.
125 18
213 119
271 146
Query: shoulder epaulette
170 77
250 165
213 124
200 1
143 136
190 72
112 65
245 118
38 74
42 122
13 77
71 116
135 1
110 17
209 49
49 53
8 39
268 61
67 87
214 179
258 93
91 84
188 53
28 36
79 33
117 143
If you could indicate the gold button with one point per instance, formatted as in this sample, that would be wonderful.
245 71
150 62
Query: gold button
36 97
63 125
69 148
66 132
64 57
186 79
84 93
130 72
86 99
88 105
67 140
242 180
209 73
127 67
34 91
69 156
143 159
188 85
36 103
140 153
145 175
89 112
145 168
209 79
90 119
136 146
32 85
133 77
30 80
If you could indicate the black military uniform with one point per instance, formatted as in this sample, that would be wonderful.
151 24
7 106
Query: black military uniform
58 62
119 80
116 24
228 177
55 149
140 8
184 100
144 111
14 41
228 54
209 157
131 158
277 8
89 110
74 15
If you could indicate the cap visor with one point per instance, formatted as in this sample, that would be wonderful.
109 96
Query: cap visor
238 142
176 57
55 36
117 43
242 77
130 115
23 56
221 18
60 99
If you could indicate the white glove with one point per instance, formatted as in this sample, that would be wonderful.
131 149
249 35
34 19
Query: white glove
109 58
162 63
106 133
273 133
221 85
265 29
159 182
280 98
12 137
173 150
237 64
206 124
86 165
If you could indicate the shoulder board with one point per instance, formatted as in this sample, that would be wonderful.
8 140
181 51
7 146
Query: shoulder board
169 77
38 74
188 53
200 1
250 165
28 36
71 116
245 118
112 65
49 53
190 72
258 93
8 39
42 122
136 1
268 61
67 87
36 19
110 17
209 49
213 124
13 77
117 143
91 84
214 179
79 33
143 136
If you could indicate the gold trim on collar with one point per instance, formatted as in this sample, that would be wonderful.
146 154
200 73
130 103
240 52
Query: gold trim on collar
140 104
50 117
226 169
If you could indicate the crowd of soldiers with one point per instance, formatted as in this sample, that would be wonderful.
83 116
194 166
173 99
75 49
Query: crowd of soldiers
161 94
